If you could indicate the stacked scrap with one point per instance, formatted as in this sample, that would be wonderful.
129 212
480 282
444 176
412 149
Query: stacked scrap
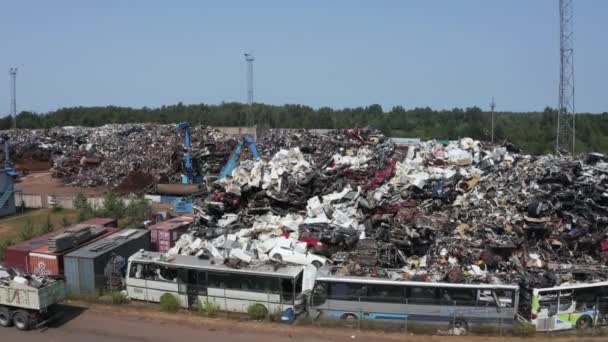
461 212
126 157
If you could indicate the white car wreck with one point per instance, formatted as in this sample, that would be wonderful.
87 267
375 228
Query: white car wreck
287 253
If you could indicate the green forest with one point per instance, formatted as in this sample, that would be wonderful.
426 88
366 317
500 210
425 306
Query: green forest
533 131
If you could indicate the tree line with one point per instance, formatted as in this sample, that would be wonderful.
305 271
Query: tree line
533 131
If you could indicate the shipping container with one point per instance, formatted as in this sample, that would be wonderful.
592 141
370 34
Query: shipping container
84 267
46 263
163 235
17 256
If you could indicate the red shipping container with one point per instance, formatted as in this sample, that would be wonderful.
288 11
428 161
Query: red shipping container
163 235
44 262
17 256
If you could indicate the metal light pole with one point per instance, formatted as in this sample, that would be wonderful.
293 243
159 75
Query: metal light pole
13 73
249 59
492 106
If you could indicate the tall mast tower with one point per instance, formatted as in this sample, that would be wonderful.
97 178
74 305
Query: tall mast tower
13 73
566 140
249 59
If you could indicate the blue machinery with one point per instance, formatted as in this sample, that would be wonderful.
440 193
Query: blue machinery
234 157
184 204
187 178
7 178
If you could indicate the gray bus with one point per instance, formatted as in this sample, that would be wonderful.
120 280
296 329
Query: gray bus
462 306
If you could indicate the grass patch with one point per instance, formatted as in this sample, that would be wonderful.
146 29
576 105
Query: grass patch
169 303
33 223
12 225
209 308
257 311
108 298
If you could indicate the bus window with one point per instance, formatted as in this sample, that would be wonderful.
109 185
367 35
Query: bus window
287 290
348 291
264 284
217 280
457 296
201 277
299 280
319 294
385 293
547 302
153 272
505 297
191 277
422 295
137 270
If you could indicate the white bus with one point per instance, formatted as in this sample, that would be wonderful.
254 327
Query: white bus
568 307
462 306
195 281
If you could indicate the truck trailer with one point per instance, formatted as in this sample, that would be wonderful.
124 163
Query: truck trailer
25 302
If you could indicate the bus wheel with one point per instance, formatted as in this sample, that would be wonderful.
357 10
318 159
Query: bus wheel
585 322
317 264
5 317
459 327
350 319
21 320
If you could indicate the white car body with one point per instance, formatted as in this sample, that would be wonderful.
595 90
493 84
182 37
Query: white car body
286 253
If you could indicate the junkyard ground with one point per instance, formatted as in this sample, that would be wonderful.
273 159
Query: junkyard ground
42 183
100 323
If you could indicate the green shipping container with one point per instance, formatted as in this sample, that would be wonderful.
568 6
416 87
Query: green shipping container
84 267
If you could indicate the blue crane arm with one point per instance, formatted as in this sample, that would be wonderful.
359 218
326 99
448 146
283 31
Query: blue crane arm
252 147
188 158
232 161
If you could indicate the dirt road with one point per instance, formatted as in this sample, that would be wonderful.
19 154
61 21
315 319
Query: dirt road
125 323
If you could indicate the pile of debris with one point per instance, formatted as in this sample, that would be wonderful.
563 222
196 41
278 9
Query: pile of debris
125 157
461 212
8 276
464 211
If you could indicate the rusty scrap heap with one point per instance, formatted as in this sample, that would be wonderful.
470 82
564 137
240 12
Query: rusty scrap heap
463 211
460 212
126 157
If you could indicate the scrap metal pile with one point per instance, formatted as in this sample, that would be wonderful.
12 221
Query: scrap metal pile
9 276
462 212
126 157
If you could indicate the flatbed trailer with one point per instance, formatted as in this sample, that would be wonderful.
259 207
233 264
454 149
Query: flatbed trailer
27 306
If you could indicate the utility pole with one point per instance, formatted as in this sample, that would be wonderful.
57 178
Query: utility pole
492 106
566 132
13 73
249 59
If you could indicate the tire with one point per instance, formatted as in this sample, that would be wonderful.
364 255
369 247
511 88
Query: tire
317 264
350 319
584 322
278 257
21 319
5 317
459 325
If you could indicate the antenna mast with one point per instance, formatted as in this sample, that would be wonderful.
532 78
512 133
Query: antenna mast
565 140
13 73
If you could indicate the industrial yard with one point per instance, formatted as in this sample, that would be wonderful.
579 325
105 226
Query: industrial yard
361 194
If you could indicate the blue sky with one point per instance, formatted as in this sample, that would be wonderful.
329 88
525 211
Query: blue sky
437 53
